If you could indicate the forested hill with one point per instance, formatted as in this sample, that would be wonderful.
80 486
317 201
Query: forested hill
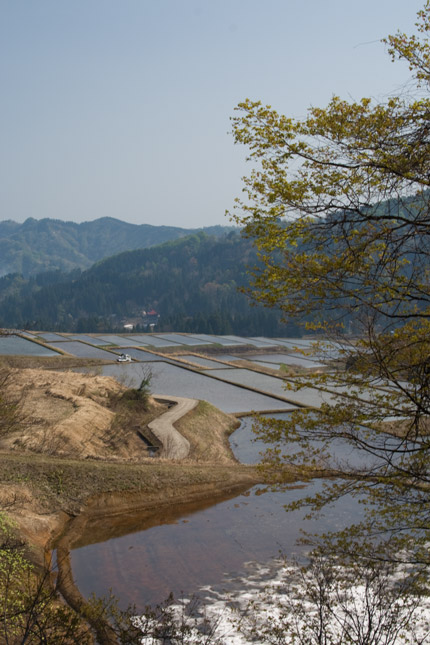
192 283
48 244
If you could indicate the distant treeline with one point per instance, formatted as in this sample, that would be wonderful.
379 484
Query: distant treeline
192 283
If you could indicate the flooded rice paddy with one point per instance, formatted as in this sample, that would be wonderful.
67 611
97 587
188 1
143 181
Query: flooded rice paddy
49 336
195 547
120 341
16 345
307 396
76 348
184 339
89 339
179 381
251 341
154 341
203 362
232 390
139 354
285 359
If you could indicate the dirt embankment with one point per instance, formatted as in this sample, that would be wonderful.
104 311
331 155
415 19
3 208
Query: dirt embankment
67 414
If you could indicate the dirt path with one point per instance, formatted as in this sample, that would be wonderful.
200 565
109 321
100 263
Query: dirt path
175 446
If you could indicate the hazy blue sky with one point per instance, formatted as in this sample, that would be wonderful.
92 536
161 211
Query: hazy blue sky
121 107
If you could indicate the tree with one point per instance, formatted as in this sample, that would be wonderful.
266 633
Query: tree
30 610
324 603
339 208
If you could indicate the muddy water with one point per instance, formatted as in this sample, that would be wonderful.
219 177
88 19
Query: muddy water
196 546
144 559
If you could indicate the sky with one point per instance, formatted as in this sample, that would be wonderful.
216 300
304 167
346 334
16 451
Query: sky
121 108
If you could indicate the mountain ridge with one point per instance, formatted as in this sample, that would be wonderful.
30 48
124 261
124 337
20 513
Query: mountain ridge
35 246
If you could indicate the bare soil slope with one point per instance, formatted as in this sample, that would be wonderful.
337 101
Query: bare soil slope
74 415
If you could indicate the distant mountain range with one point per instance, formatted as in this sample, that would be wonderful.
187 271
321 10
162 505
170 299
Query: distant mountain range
100 275
43 245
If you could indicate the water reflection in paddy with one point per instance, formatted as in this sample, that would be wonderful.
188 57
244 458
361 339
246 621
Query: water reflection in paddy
271 366
265 342
219 340
199 548
300 343
228 357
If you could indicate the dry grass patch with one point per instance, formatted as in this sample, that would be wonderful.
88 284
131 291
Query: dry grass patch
65 484
70 414
58 362
208 430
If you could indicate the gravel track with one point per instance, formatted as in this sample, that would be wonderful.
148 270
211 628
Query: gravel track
175 446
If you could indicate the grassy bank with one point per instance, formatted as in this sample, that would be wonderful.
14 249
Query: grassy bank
52 484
